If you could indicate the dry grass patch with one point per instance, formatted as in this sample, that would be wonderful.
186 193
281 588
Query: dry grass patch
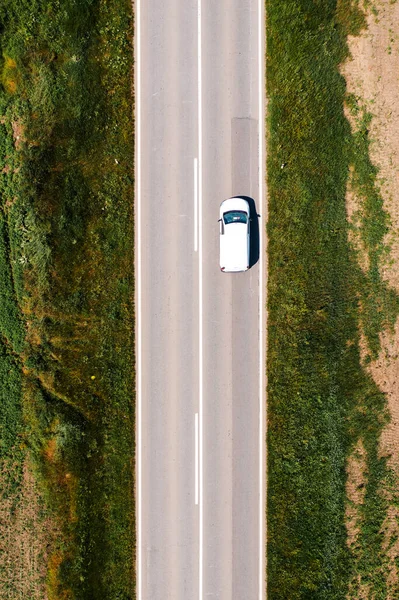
355 489
27 538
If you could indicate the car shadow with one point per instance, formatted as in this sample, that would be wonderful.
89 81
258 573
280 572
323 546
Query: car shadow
253 231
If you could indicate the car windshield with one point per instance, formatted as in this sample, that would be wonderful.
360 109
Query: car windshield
235 216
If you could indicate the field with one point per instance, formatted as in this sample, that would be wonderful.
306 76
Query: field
66 296
332 491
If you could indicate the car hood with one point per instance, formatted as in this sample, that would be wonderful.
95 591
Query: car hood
234 204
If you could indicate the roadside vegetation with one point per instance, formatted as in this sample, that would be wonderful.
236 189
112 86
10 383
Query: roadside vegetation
325 314
66 289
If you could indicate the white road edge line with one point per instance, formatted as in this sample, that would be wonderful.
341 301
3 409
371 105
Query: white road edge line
196 458
138 298
195 204
261 308
200 319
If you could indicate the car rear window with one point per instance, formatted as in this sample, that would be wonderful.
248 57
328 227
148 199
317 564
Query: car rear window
235 216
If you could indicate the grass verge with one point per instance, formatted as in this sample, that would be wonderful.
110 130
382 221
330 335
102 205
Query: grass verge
321 401
66 315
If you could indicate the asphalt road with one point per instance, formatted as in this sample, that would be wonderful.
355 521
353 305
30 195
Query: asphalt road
200 493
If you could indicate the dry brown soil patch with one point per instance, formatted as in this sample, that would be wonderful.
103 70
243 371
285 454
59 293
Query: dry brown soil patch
355 490
372 74
27 535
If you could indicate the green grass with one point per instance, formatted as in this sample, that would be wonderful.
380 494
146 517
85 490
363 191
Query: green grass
11 326
67 197
12 335
320 399
11 424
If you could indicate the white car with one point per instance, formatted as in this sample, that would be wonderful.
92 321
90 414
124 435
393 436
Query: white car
234 235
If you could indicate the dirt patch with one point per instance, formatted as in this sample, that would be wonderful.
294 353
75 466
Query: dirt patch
355 490
27 535
362 590
371 74
385 371
18 134
353 207
390 531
